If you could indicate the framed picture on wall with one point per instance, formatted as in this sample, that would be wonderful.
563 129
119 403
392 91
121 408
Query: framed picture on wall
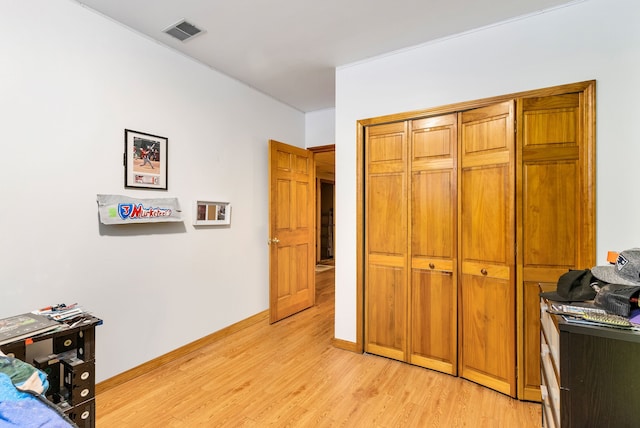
209 213
145 160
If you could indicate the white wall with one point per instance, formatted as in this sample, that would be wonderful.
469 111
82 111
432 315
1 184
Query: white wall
320 127
594 39
71 81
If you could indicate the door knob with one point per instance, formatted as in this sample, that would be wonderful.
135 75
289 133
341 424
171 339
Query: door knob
274 240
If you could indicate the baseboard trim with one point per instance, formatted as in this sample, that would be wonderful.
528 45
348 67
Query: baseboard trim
177 353
348 346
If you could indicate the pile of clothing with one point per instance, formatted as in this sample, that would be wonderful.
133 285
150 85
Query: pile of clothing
614 288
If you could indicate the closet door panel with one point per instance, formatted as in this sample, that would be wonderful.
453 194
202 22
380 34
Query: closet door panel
386 207
487 247
488 353
484 131
386 311
386 242
433 322
484 215
550 190
433 214
433 210
555 188
551 181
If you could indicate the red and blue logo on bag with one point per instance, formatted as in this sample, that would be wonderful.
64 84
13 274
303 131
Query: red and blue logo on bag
138 211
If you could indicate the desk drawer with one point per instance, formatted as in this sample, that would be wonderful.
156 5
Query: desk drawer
548 420
551 335
550 383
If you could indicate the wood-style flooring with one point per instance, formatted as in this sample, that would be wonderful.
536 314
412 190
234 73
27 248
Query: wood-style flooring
290 375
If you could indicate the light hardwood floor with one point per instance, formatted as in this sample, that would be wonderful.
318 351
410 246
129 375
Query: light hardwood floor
290 375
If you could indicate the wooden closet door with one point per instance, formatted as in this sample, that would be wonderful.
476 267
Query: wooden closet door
556 227
487 249
386 245
433 291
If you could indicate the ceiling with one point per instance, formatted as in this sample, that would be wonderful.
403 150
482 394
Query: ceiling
289 49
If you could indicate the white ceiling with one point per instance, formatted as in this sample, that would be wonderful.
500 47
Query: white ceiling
289 49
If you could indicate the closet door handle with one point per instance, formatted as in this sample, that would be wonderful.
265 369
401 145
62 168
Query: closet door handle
483 271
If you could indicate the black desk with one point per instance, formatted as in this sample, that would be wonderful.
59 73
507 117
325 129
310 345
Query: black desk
601 371
591 374
68 358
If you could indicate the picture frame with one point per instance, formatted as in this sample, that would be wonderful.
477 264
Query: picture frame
145 160
211 213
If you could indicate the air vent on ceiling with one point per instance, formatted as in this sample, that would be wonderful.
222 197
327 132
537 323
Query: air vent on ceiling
183 31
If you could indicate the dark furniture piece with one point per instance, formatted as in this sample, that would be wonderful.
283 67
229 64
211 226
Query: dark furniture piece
68 358
590 375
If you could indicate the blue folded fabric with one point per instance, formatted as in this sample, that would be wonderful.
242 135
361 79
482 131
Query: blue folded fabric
25 410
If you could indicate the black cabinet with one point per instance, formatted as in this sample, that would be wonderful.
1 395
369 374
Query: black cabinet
68 358
597 374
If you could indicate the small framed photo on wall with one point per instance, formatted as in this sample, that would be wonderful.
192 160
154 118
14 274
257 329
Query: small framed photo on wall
145 160
209 213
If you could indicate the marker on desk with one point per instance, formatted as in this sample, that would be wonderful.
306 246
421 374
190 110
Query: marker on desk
63 307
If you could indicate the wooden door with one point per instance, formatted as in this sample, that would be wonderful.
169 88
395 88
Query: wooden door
291 230
433 210
487 247
556 193
386 240
324 158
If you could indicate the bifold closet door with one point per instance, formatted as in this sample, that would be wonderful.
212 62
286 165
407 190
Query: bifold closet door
487 247
386 225
433 281
556 227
